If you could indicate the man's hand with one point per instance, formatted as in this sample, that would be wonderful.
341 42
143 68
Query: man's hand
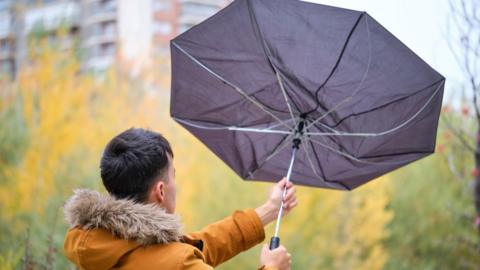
269 210
278 258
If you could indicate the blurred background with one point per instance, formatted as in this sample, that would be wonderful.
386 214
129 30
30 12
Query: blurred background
74 73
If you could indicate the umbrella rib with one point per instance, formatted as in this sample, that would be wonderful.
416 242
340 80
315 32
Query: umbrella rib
279 124
245 129
278 149
236 88
260 130
339 133
338 60
284 93
267 52
364 77
274 152
349 156
307 147
383 105
310 161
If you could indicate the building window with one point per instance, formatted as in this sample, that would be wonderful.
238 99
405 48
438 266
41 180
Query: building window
103 50
108 49
6 22
108 28
185 26
104 28
4 46
162 28
5 4
104 6
161 5
198 9
6 66
96 51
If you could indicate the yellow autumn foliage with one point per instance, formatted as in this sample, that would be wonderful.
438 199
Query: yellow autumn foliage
69 118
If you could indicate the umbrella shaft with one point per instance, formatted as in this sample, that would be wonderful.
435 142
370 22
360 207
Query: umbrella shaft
289 173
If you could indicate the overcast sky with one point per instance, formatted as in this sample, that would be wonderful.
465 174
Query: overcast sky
421 25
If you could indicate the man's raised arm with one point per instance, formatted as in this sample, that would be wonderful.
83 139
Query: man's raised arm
224 239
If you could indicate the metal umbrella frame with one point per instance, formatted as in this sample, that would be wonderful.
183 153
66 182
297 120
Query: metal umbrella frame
300 128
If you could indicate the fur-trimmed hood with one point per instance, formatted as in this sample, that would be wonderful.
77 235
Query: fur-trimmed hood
145 223
109 233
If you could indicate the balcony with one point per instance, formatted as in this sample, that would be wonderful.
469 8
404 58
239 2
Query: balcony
100 11
192 13
7 49
6 24
5 5
198 9
51 16
7 67
100 63
217 3
101 33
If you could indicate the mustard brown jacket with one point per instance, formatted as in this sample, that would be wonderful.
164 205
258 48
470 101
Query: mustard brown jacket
110 233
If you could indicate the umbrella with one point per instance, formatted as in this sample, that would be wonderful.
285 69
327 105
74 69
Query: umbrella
326 90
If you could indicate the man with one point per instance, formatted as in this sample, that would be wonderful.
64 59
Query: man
134 227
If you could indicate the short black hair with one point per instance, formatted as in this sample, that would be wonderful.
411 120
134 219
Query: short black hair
132 161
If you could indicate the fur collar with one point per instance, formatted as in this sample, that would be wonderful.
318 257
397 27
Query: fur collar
145 223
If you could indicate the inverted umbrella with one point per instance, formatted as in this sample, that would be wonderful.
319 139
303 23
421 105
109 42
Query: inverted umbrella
266 83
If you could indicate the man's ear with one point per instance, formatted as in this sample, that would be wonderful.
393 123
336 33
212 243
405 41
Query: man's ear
159 191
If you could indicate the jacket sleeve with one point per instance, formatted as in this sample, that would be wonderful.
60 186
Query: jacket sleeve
226 238
267 268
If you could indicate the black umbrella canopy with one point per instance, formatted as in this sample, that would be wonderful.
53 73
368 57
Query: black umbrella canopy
260 74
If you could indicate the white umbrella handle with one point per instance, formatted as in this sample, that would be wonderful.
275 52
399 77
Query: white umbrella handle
275 240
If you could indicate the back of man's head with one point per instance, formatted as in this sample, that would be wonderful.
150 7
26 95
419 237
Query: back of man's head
132 161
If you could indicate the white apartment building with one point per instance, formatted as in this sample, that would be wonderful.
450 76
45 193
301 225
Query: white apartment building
104 30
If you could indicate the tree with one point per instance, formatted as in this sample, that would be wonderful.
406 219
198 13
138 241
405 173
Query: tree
55 121
465 19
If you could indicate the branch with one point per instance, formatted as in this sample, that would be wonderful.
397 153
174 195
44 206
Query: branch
467 24
458 135
453 168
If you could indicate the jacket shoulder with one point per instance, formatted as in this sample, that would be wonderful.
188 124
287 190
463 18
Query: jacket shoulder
83 246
